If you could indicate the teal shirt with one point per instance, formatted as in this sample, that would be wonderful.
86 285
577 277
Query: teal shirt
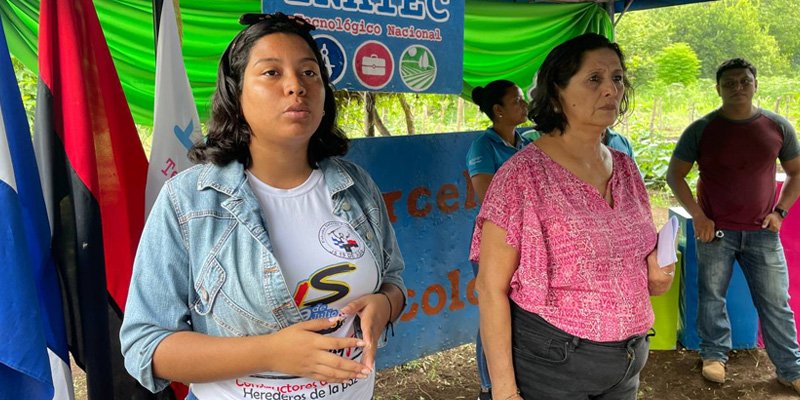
489 151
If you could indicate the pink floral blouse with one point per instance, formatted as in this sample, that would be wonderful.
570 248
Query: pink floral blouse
582 263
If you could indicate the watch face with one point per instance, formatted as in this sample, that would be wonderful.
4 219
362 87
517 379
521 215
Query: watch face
781 212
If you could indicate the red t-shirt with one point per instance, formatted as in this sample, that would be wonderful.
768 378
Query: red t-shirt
737 165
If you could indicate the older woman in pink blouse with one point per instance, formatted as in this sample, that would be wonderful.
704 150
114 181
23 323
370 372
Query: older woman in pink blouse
566 243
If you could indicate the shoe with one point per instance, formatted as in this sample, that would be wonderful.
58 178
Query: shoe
485 394
795 384
714 371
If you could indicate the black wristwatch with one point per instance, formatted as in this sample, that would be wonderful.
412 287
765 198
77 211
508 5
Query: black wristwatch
783 213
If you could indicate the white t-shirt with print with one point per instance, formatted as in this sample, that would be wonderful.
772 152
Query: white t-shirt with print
326 265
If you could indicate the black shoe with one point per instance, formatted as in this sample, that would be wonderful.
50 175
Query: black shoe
485 395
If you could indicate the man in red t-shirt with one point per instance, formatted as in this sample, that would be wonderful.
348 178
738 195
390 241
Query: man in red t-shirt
735 217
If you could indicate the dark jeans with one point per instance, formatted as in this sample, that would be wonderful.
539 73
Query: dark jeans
552 364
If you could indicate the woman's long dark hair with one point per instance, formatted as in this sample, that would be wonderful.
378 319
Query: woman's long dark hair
228 136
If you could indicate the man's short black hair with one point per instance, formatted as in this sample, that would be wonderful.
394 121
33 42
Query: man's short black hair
735 63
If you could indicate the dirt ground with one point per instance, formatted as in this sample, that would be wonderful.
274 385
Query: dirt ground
669 375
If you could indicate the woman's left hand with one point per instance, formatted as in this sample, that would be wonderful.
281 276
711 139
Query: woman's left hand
373 310
659 279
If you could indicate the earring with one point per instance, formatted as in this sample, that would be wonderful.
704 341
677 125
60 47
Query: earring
556 109
323 113
500 116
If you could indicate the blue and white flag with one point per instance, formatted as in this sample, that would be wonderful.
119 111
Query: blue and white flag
34 363
176 126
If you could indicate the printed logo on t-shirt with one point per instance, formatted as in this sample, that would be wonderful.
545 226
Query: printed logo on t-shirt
339 239
326 288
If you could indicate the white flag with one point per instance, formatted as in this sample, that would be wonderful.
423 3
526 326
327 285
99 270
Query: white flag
176 126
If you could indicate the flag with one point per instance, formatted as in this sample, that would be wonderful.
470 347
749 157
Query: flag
176 126
93 172
34 363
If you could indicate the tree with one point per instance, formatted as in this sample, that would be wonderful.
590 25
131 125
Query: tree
762 31
725 29
641 35
781 19
677 63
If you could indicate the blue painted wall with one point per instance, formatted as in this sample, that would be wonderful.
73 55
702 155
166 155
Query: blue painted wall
433 208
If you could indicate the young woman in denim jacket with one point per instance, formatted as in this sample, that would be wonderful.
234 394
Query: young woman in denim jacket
224 296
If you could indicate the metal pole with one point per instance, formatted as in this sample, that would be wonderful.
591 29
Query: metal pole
610 10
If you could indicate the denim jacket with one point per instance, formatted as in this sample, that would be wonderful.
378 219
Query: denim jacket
205 262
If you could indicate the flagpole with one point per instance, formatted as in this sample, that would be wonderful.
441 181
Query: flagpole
157 6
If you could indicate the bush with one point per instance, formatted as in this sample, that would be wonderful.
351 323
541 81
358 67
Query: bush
678 63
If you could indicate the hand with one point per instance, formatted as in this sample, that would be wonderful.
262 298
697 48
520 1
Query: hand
703 228
304 352
659 280
772 222
373 310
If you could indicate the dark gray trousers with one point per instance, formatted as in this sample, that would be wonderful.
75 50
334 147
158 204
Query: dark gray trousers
552 364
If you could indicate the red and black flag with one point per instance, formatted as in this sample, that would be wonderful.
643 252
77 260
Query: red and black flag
93 172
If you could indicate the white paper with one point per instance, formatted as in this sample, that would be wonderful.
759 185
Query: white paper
666 253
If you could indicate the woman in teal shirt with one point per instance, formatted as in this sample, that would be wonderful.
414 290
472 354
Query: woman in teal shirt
502 101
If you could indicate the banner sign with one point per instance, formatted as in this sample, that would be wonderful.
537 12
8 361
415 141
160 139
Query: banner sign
386 45
432 207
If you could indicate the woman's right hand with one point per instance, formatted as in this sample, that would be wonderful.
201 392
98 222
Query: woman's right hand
659 279
300 350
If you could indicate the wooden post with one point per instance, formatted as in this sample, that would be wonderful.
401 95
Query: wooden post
425 113
653 115
788 106
459 113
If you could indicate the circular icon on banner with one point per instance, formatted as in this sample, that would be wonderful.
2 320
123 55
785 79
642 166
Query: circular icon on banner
417 67
373 64
339 239
333 56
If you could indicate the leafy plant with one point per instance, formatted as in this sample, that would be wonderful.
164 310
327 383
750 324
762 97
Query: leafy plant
678 63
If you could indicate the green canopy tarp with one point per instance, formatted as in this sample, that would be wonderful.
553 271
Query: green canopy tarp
501 40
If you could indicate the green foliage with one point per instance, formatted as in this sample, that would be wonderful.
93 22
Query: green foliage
677 63
641 35
28 83
781 19
431 113
730 28
761 31
653 153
